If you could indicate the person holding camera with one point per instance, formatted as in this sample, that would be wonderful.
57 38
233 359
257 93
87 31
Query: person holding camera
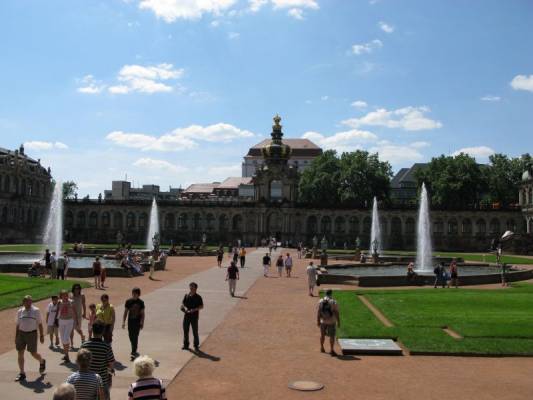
191 305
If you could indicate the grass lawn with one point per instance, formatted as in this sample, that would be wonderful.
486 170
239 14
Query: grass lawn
490 322
14 288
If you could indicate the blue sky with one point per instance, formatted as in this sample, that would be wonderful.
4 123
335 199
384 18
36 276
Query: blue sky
175 91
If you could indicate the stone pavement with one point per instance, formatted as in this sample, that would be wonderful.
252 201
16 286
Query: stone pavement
161 337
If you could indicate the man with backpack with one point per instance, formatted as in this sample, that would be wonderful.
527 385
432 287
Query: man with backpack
328 320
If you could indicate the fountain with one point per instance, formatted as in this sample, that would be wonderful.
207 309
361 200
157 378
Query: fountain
423 246
375 233
153 231
53 232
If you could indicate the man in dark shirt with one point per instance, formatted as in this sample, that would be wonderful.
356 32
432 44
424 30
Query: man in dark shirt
134 311
232 276
266 264
102 359
191 305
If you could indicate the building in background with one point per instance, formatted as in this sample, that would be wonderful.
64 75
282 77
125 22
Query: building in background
404 186
122 190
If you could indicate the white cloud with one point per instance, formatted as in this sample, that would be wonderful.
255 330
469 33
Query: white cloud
490 98
146 79
481 152
420 145
256 5
296 13
89 85
359 104
39 145
522 82
398 154
324 98
171 10
341 141
311 4
233 35
365 48
386 27
161 165
407 118
180 138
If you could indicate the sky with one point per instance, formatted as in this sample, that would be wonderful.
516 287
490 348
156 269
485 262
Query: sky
172 92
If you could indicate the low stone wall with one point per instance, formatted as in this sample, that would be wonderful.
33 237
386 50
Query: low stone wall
420 280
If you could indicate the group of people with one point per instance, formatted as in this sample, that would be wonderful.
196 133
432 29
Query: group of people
95 359
281 263
236 253
55 266
444 277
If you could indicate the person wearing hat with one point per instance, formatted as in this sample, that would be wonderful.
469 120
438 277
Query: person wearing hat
28 320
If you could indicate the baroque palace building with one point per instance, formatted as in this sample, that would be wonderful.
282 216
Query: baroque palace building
25 187
274 210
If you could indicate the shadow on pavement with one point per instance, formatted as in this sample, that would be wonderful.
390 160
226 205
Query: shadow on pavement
38 385
347 358
201 354
241 297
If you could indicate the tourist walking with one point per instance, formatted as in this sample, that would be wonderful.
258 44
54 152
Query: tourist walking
235 254
105 312
28 321
242 256
134 312
66 262
51 321
53 264
191 305
64 391
103 276
78 300
91 319
288 265
439 279
220 256
454 274
89 385
328 319
60 262
47 261
154 257
311 277
232 276
102 358
146 387
67 320
266 264
97 271
279 265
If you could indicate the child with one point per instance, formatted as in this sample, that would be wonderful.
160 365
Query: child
51 321
91 318
103 275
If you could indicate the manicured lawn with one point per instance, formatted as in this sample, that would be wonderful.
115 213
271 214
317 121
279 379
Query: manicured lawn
490 321
14 288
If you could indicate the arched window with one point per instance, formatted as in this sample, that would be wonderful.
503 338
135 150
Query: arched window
80 219
182 222
410 226
170 221
275 190
210 222
325 224
197 222
396 226
69 219
311 224
106 219
494 227
130 220
222 222
481 227
118 220
466 227
353 224
339 225
93 219
236 225
142 220
438 227
511 225
452 227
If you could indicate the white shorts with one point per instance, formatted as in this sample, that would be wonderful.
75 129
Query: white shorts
65 329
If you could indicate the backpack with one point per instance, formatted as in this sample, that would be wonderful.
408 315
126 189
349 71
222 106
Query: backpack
326 308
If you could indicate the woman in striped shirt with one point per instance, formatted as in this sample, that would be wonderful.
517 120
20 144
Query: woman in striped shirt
146 387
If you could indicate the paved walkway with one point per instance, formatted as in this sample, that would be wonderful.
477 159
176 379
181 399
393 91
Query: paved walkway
161 337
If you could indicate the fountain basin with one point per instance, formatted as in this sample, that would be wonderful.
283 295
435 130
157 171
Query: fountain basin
366 275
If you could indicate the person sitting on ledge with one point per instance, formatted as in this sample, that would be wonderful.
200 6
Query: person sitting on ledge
362 259
173 251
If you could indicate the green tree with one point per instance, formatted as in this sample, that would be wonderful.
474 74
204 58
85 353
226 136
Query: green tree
362 177
70 190
319 183
504 176
453 182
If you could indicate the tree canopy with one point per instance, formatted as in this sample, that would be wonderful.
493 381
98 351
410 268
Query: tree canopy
70 190
351 180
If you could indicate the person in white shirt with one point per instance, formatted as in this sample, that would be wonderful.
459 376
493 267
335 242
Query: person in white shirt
51 321
311 277
28 319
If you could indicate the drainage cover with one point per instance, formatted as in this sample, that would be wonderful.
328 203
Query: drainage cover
306 386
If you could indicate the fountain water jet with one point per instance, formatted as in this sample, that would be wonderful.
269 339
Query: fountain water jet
423 240
375 232
154 225
53 231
